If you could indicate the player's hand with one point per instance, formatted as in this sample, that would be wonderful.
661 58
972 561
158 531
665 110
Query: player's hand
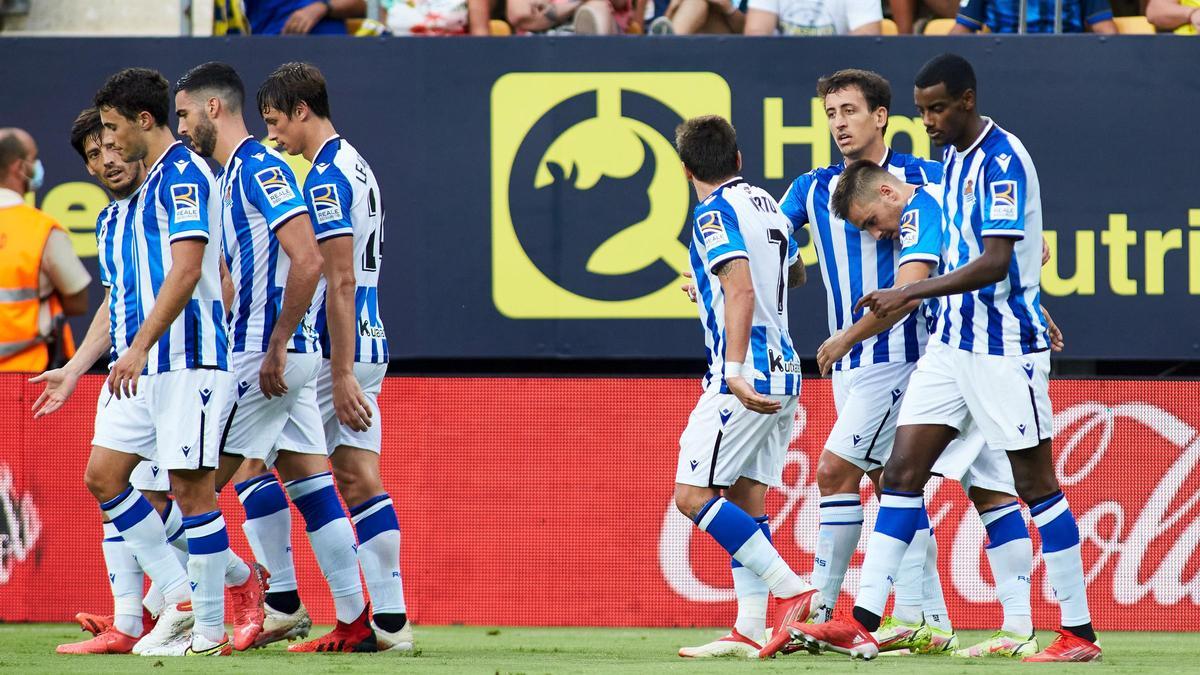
1045 251
123 376
754 401
1056 337
831 351
60 382
689 289
303 20
884 301
270 375
353 408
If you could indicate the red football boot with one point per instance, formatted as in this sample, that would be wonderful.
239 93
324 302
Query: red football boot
357 636
110 641
94 623
796 609
844 635
246 600
1067 647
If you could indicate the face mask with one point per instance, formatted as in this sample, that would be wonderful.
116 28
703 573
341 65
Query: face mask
39 175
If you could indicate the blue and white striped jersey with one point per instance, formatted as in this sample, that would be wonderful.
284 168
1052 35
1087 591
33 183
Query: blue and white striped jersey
991 190
343 200
739 220
921 238
114 228
258 194
178 201
853 263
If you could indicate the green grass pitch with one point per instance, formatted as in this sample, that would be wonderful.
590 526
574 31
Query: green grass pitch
29 648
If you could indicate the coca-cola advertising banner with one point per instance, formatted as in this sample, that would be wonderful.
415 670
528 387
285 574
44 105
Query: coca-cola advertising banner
548 502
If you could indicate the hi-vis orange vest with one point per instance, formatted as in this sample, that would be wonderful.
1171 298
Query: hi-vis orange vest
23 234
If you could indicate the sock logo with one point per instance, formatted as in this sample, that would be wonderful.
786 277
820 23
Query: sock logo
289 549
695 464
1022 577
820 563
355 547
205 394
396 574
192 584
242 387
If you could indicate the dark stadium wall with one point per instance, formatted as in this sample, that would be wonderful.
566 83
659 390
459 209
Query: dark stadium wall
548 502
536 210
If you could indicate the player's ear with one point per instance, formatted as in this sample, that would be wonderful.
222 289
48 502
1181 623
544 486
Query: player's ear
686 173
881 117
739 161
214 107
145 120
968 100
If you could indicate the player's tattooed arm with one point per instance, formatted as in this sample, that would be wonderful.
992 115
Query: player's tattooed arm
729 267
797 275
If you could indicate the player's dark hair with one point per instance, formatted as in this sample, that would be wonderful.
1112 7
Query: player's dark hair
291 84
217 77
875 89
134 90
708 147
87 125
11 149
856 182
951 70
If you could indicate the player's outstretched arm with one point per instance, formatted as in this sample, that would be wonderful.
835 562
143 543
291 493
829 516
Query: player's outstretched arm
737 287
187 260
987 269
300 244
60 382
871 324
348 399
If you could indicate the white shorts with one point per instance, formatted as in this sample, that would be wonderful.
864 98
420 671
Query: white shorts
177 418
1007 397
370 378
867 399
148 476
256 423
723 441
974 463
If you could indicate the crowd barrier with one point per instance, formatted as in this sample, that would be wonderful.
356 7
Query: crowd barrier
548 502
536 209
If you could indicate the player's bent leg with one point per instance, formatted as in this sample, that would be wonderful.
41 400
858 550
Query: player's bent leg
841 518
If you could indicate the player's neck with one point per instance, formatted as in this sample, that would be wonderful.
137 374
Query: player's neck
907 190
703 190
158 140
321 131
876 152
230 134
970 133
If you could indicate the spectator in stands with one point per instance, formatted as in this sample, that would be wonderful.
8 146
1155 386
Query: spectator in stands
1180 16
690 17
436 17
584 17
41 278
299 17
814 17
1003 16
904 12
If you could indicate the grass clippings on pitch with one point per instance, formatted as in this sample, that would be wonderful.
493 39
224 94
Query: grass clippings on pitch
29 648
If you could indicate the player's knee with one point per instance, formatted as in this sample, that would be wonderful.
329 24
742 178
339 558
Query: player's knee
985 500
102 486
836 476
902 477
1033 487
689 500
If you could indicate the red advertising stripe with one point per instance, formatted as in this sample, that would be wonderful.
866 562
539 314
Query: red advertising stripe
548 502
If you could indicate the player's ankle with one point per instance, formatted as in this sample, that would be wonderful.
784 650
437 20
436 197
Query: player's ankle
390 622
1084 631
286 602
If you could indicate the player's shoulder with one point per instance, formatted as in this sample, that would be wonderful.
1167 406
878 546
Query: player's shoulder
181 166
913 169
327 167
1003 148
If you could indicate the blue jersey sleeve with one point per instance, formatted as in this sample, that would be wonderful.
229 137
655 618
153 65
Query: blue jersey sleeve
793 250
972 14
717 229
921 230
185 197
933 171
794 202
1095 11
270 186
1003 193
329 198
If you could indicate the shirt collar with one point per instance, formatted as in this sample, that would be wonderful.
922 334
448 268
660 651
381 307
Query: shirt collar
9 198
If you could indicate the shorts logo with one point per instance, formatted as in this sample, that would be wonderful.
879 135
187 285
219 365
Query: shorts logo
857 439
694 464
242 387
185 450
590 213
909 223
712 229
274 185
326 205
1021 428
205 394
112 578
725 415
1004 200
154 470
185 202
1028 369
896 394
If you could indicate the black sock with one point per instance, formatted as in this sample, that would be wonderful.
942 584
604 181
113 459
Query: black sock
1085 631
283 601
868 620
390 622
